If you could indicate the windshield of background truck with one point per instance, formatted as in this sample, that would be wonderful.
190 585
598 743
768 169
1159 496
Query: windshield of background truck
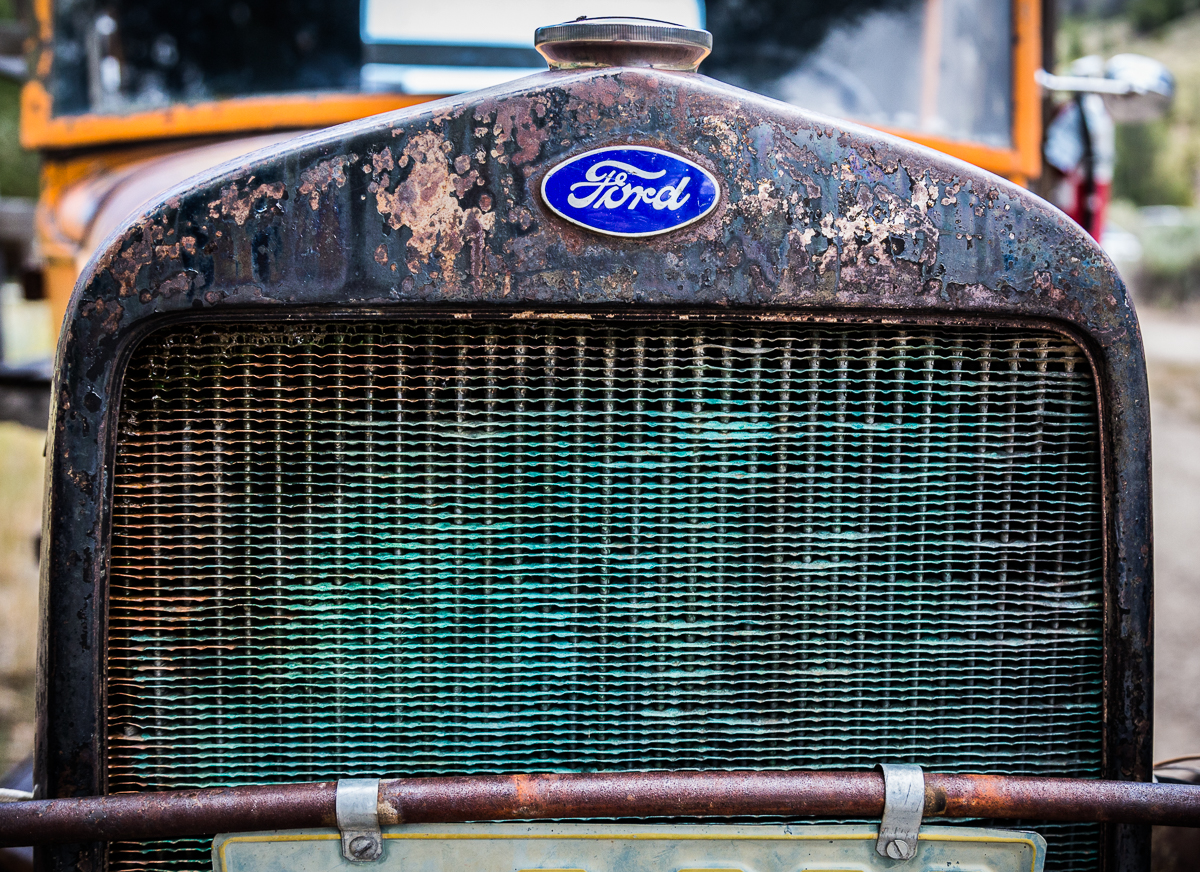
938 67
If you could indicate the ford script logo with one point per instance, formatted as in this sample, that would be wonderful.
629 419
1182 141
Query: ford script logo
630 190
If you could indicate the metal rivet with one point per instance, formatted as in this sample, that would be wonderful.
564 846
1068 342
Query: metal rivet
362 846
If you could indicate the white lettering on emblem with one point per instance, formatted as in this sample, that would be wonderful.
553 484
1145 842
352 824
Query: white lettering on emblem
612 189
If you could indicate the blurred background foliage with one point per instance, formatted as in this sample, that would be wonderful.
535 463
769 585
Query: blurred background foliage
18 168
1145 173
1150 15
1158 163
21 477
1154 223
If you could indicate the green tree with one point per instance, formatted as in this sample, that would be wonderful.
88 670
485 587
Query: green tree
18 168
1151 15
1143 174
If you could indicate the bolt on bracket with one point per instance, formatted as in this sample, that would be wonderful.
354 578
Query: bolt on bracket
357 803
903 807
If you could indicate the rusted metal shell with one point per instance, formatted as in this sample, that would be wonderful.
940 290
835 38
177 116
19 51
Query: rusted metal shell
436 208
594 795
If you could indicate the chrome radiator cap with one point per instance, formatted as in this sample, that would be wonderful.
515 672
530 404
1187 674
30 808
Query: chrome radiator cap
622 42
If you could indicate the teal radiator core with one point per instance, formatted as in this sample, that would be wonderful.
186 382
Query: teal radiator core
466 546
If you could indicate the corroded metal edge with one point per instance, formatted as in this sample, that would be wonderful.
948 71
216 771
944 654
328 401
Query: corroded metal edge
437 206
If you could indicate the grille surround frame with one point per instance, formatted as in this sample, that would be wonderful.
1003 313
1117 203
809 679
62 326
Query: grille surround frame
95 351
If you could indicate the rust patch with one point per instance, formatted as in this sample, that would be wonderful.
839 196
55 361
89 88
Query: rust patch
236 203
382 161
106 314
176 284
390 812
317 179
525 791
129 263
464 183
426 202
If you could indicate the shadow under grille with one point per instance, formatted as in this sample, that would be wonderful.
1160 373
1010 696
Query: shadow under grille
421 548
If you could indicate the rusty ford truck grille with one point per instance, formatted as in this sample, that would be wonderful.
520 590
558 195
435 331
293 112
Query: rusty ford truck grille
442 547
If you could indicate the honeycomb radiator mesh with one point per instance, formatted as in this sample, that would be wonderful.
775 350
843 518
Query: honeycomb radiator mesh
448 547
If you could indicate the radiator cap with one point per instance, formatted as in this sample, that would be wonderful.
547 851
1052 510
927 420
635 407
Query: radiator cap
622 42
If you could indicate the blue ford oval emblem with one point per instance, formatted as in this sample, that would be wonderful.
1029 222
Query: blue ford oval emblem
630 190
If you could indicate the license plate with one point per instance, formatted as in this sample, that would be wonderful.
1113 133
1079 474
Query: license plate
617 848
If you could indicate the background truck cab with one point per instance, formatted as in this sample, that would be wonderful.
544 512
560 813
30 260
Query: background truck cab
129 99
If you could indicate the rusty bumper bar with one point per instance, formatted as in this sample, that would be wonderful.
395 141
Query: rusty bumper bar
170 814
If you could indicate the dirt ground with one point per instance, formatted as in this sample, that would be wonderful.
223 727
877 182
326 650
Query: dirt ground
21 465
1173 352
1173 356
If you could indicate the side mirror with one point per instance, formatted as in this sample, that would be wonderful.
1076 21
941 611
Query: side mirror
1135 88
1151 88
